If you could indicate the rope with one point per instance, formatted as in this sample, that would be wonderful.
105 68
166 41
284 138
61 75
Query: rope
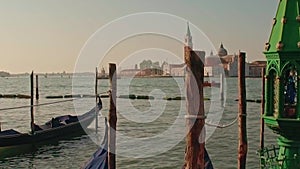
44 104
36 105
222 125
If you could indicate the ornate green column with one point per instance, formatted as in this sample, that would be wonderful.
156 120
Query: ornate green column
289 152
282 109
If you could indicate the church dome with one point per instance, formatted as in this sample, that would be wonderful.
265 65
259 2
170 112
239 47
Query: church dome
222 51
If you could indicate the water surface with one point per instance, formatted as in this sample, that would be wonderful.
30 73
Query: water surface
137 119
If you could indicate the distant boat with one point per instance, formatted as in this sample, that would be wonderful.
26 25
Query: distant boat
58 127
103 77
102 74
211 84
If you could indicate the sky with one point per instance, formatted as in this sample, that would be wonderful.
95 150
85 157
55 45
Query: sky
51 35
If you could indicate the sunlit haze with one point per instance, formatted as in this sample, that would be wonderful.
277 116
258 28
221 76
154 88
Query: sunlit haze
47 36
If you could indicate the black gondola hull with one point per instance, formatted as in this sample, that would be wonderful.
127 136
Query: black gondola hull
77 128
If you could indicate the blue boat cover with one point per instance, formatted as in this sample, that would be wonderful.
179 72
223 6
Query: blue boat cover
208 163
99 158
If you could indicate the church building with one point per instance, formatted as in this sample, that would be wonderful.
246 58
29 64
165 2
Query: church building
222 62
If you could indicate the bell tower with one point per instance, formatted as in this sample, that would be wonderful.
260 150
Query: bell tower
188 38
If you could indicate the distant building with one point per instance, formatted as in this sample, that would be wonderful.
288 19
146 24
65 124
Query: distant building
4 74
140 72
151 72
224 63
208 71
255 68
165 68
177 69
129 72
214 65
147 68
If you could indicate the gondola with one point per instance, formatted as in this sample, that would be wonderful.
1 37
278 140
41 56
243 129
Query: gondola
56 128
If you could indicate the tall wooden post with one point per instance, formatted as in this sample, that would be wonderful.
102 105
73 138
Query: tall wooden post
37 96
262 122
31 103
96 96
194 157
112 117
221 86
243 145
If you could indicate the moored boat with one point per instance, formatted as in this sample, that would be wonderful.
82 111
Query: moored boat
58 127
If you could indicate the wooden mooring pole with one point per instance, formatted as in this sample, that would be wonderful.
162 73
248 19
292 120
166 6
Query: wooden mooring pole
37 96
96 96
242 145
31 103
262 122
195 117
112 117
221 87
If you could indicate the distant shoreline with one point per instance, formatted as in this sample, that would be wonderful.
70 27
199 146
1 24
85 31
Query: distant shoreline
69 75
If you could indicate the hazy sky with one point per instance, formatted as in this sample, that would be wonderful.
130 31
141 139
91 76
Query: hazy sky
47 36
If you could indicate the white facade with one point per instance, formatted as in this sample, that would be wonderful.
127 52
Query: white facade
166 68
208 71
177 70
233 68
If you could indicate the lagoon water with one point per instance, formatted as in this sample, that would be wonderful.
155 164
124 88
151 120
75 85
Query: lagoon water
150 133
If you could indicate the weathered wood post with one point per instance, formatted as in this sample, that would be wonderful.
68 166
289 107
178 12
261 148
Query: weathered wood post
96 96
37 96
31 103
112 117
221 86
262 122
243 146
195 117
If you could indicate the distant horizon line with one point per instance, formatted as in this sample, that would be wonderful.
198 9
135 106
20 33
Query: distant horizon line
47 73
68 73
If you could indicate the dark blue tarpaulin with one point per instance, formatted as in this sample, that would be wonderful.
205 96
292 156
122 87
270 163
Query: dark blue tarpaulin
99 158
208 163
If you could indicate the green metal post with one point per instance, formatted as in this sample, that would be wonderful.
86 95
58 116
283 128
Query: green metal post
282 112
